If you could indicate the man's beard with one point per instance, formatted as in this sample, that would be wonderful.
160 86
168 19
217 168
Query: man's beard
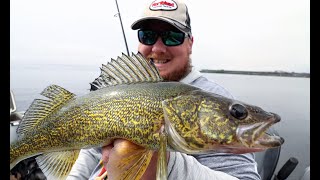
180 73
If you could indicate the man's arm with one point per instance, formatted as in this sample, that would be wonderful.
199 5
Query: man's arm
86 162
182 166
242 166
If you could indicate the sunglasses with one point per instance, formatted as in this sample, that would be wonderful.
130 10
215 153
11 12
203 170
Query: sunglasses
169 38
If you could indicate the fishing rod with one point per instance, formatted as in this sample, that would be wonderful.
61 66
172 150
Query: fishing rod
124 36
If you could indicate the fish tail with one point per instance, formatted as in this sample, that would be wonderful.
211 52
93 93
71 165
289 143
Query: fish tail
26 145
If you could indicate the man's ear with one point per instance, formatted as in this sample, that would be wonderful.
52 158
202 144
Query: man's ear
190 44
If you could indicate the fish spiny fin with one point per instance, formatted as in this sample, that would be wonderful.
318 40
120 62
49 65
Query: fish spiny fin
129 163
57 165
128 66
150 71
126 70
40 108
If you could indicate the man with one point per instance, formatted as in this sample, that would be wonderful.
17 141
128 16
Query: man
165 37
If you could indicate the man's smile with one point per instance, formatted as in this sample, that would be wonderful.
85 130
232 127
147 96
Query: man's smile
159 61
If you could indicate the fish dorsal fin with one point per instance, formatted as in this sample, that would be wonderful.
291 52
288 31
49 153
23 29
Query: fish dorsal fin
57 165
127 70
41 108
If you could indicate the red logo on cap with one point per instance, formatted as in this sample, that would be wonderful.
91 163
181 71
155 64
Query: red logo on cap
163 5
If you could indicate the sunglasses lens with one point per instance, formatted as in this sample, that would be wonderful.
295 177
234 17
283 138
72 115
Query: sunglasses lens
171 38
147 37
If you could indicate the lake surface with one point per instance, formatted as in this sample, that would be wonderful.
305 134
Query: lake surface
289 97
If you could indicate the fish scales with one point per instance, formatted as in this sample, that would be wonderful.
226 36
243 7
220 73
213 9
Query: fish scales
133 112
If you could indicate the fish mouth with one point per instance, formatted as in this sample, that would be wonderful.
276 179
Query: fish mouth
255 136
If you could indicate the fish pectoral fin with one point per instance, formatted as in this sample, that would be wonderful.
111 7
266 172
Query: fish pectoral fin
162 164
128 161
57 165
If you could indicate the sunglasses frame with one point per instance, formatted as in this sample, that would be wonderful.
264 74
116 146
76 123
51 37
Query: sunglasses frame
161 34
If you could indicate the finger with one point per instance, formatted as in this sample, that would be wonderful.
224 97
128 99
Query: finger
128 160
119 146
106 153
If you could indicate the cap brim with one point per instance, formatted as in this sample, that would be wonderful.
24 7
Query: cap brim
138 24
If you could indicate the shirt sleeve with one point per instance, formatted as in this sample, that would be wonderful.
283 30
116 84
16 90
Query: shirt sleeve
182 166
242 166
85 164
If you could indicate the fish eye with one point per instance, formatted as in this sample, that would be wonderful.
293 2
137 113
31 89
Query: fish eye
238 111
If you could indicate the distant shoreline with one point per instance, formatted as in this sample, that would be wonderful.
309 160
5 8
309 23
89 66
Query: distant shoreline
260 73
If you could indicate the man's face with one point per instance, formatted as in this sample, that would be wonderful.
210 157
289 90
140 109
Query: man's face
172 61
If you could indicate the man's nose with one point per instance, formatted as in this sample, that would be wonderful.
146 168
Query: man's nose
159 46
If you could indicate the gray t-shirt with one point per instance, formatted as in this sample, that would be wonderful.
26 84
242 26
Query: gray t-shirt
214 166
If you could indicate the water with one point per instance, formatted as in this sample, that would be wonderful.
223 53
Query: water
286 96
28 81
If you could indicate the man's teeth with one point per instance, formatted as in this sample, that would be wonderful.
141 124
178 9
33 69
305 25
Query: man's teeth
160 61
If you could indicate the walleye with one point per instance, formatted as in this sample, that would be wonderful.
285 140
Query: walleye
133 102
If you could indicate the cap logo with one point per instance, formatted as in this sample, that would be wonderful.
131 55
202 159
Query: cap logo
167 5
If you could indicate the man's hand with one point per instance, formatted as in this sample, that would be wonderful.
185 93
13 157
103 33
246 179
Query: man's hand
120 147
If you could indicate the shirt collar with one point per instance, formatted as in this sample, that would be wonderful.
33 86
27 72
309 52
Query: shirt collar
193 75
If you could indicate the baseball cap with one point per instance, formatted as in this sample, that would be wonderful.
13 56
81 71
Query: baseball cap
174 12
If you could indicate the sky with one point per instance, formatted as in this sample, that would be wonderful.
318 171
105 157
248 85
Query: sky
253 35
